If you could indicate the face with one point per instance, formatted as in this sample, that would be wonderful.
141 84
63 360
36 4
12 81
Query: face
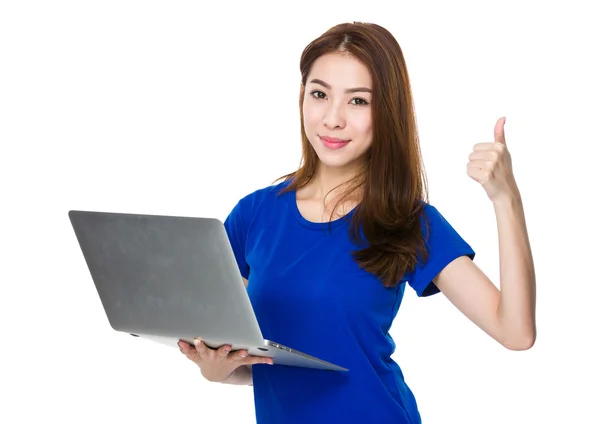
337 110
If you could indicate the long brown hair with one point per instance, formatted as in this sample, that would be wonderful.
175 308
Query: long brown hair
393 184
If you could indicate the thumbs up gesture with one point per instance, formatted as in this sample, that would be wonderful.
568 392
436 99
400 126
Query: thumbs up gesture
490 165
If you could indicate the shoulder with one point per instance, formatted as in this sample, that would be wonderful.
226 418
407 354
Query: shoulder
432 218
249 204
430 211
441 237
443 244
254 199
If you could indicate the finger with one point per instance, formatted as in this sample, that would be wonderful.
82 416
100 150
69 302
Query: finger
484 155
252 360
239 355
200 347
478 174
189 351
499 136
492 147
185 347
480 164
223 351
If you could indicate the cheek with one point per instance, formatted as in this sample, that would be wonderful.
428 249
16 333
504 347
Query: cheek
311 116
364 126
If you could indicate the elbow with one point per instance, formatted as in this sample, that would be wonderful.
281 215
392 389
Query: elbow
524 341
524 344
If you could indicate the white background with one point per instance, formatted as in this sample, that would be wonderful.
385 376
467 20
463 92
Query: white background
178 107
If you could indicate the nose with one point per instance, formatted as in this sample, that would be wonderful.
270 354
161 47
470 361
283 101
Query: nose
334 117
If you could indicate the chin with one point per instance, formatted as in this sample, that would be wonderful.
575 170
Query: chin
336 162
341 158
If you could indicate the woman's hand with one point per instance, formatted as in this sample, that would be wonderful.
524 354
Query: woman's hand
218 365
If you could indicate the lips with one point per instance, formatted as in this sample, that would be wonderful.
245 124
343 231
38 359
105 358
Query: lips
333 142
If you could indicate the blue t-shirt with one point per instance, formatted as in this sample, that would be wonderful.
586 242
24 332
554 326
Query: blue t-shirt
309 294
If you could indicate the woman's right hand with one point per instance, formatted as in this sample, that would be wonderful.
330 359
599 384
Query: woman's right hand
217 365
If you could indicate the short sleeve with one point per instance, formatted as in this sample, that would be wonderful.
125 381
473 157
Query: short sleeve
236 228
443 244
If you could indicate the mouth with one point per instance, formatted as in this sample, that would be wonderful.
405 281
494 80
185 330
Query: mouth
333 140
333 143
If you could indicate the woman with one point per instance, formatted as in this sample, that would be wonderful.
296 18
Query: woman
327 252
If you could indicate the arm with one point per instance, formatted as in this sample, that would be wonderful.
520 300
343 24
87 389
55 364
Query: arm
508 314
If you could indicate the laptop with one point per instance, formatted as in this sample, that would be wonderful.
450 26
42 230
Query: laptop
170 278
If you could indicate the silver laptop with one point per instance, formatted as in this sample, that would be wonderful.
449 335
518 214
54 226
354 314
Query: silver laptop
168 278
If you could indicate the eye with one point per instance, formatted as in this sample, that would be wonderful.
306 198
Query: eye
318 94
359 102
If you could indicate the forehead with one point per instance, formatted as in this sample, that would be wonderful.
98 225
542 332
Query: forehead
340 70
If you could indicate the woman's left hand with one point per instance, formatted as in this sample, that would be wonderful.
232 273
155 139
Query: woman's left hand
490 165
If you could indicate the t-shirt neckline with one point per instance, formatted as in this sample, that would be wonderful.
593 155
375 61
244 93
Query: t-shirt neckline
291 196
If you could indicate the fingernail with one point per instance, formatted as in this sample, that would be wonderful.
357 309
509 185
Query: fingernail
196 342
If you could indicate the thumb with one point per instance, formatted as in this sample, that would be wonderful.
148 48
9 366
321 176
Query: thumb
499 136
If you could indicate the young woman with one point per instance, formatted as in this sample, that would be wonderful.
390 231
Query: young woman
328 251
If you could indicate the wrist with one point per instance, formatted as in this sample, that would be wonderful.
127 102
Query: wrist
241 376
508 200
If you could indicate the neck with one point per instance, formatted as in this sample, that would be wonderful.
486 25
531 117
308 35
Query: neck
331 182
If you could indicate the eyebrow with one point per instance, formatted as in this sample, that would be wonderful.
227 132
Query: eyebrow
350 90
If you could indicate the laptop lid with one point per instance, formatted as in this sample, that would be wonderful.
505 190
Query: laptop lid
167 276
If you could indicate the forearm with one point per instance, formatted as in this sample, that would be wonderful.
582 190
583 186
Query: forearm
242 376
516 309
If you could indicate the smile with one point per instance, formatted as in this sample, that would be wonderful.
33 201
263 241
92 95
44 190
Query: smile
333 143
